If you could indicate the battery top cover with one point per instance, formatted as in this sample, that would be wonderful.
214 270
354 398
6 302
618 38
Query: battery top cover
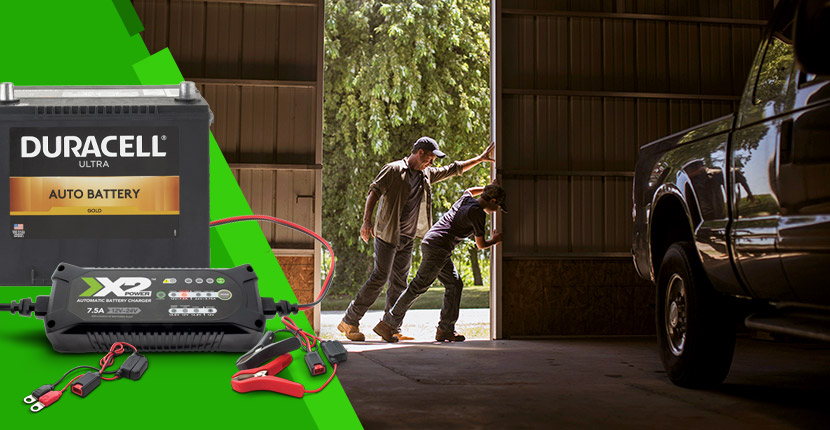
113 176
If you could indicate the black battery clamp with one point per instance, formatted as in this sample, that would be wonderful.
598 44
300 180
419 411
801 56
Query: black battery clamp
160 309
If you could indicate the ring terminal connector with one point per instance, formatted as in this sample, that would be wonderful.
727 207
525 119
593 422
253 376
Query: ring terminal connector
45 400
37 393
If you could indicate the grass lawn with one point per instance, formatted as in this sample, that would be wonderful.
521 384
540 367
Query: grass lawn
472 297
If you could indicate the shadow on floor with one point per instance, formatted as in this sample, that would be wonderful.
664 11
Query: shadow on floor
578 383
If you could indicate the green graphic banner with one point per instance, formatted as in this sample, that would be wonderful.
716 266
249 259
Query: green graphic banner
99 43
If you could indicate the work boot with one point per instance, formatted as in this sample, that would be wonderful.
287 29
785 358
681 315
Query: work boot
386 331
351 332
450 335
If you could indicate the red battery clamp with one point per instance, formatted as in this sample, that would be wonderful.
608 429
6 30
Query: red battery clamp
264 378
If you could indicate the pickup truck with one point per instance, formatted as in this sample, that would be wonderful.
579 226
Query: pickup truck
732 217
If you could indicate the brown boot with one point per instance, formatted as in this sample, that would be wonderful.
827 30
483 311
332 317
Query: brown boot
351 332
452 336
386 331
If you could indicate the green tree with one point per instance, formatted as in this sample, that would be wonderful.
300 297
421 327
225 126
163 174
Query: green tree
395 71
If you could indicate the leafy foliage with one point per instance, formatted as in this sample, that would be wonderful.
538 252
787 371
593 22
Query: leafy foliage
395 71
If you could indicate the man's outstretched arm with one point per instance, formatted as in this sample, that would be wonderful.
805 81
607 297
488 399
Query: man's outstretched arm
475 191
481 243
367 229
458 167
487 155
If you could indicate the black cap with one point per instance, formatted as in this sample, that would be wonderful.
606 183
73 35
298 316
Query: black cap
494 191
428 144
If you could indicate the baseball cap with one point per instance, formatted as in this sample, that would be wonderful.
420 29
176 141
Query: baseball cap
494 191
428 144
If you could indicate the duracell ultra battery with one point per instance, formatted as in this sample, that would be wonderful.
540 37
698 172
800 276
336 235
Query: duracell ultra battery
102 176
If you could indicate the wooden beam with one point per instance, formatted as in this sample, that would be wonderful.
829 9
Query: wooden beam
497 223
518 255
254 83
266 166
634 16
525 173
307 3
622 94
293 252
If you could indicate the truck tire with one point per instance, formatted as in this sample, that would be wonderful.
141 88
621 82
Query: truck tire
695 332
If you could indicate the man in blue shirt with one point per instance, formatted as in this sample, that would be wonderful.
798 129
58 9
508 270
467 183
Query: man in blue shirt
466 217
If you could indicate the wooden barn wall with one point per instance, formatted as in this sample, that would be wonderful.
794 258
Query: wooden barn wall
581 85
259 66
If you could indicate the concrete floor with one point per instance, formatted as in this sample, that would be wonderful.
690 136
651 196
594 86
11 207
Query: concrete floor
606 382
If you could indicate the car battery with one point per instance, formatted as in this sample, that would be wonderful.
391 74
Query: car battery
102 176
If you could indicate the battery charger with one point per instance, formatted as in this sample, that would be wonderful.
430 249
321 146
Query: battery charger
161 309
89 309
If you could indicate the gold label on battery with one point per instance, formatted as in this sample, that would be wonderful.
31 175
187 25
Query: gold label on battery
94 195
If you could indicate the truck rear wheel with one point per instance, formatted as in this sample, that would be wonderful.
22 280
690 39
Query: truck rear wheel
695 333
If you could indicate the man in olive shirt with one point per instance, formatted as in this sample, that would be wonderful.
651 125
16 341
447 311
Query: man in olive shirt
404 190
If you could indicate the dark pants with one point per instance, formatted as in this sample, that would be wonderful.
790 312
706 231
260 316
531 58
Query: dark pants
436 263
391 264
